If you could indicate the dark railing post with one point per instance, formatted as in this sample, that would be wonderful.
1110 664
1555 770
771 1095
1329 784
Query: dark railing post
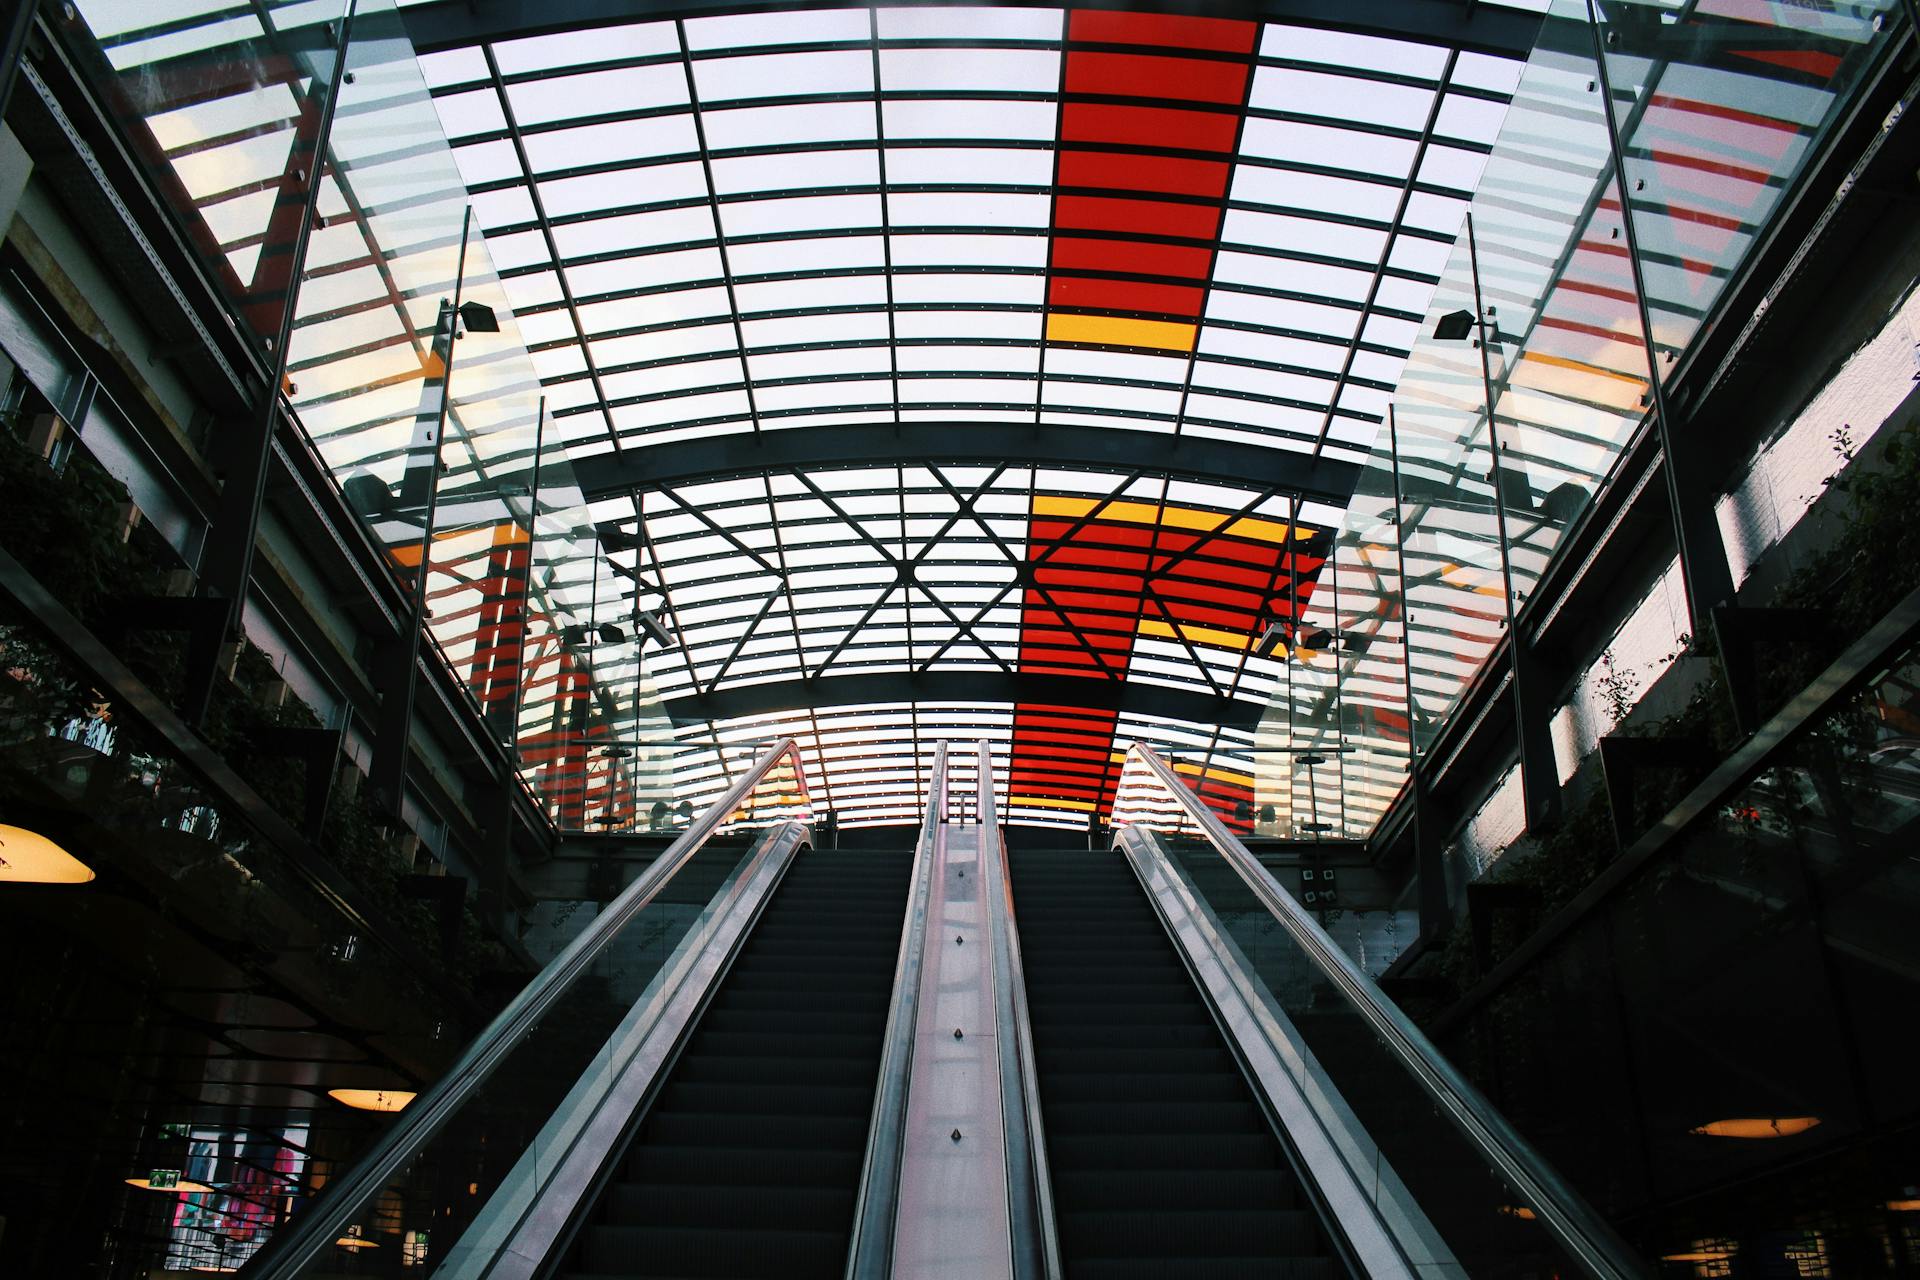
399 671
227 569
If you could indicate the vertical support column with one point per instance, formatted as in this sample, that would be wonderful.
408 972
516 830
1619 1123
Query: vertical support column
1539 787
1704 574
399 661
227 569
13 47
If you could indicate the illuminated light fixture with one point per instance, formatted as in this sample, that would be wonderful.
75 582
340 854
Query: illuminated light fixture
372 1099
1453 326
1903 1206
1699 1255
27 857
478 317
178 1186
1519 1211
356 1241
1753 1127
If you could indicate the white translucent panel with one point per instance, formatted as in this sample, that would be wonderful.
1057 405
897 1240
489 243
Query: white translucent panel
662 379
797 295
882 412
617 140
1470 119
1378 367
1346 49
969 209
626 232
781 74
1274 348
1451 167
827 253
1137 365
1435 213
968 390
1316 93
818 395
664 344
1400 294
1484 71
1270 417
524 249
859 326
788 124
987 166
537 102
1059 394
487 162
968 287
1328 147
965 358
1428 257
1281 313
719 404
656 184
1034 71
1291 274
597 44
503 208
965 22
643 271
449 66
1262 382
943 118
1306 236
558 363
808 27
789 171
476 111
967 324
827 362
799 213
938 250
1354 197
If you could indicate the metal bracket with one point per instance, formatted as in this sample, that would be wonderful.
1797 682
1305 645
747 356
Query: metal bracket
1740 632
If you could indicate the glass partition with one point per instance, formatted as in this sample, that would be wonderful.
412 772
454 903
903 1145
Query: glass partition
1450 1182
487 1120
1742 1003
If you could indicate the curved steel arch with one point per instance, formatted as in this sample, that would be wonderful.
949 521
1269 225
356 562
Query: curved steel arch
961 443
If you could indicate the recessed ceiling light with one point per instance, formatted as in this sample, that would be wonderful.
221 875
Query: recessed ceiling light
1757 1127
372 1099
27 857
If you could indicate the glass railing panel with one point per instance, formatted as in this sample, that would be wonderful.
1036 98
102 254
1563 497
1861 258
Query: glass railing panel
496 1127
1720 108
1719 1049
1435 1188
221 105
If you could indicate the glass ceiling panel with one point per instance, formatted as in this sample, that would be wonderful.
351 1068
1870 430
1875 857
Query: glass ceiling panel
1148 227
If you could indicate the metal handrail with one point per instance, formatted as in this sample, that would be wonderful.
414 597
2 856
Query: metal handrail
292 1248
874 1214
1572 1222
1030 1215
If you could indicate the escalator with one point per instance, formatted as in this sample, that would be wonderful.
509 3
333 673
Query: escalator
1163 1163
749 1161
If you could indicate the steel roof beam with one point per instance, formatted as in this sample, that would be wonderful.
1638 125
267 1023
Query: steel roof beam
1455 23
987 444
966 686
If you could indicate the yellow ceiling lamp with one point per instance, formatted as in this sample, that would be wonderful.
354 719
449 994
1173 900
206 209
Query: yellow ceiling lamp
26 857
182 1186
372 1099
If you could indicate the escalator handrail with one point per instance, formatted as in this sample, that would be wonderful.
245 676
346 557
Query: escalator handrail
871 1255
289 1250
1036 1238
1573 1223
